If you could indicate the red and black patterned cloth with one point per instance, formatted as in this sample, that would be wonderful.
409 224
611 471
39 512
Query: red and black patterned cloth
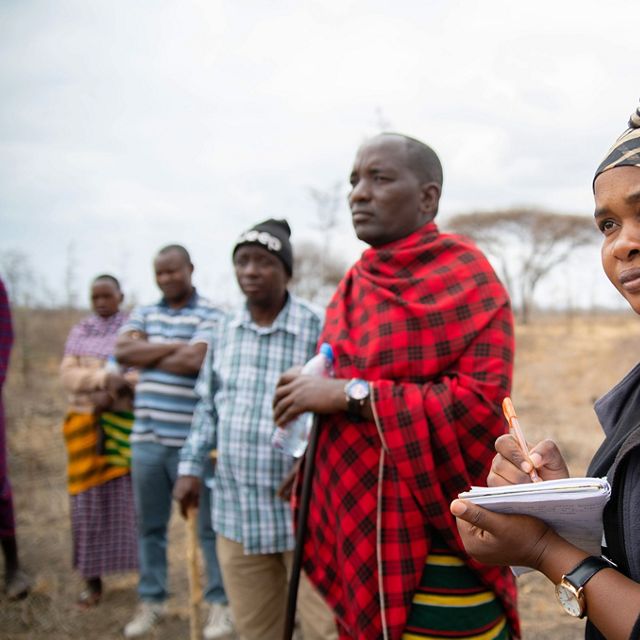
428 323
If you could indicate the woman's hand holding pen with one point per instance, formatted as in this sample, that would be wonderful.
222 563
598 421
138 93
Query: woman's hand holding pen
495 538
511 466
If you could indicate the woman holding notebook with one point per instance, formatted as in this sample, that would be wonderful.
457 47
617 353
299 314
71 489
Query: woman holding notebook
609 594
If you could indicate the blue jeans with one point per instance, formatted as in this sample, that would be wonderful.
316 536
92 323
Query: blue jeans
154 469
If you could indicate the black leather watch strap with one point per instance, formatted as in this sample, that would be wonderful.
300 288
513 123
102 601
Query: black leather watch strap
355 406
357 393
585 570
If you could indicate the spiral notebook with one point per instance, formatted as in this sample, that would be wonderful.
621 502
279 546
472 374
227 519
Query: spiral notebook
572 506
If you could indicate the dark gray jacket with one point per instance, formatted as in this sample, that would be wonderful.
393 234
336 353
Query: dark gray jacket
619 459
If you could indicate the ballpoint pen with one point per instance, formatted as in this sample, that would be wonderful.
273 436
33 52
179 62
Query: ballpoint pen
514 427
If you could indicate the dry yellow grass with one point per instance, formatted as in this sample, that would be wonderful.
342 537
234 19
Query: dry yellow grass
561 367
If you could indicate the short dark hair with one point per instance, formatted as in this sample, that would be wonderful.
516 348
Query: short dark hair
423 160
178 248
107 276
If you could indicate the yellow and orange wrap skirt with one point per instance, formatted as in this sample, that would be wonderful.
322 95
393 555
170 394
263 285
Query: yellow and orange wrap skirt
97 448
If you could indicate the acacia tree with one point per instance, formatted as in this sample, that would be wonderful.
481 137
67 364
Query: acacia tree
526 243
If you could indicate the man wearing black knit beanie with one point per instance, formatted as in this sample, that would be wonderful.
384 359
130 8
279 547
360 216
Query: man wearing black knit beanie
248 352
273 235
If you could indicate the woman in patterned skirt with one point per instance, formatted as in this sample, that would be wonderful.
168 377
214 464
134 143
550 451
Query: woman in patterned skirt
96 431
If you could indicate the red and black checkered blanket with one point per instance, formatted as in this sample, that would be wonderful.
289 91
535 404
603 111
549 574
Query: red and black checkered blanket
428 323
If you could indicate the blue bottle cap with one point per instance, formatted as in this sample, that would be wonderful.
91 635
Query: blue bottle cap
326 351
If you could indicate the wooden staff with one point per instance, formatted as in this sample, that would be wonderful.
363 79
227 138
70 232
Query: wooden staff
195 590
301 529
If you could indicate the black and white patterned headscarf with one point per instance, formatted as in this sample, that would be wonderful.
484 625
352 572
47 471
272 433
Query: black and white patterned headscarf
626 150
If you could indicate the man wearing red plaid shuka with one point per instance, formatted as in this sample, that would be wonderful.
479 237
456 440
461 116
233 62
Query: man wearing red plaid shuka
422 334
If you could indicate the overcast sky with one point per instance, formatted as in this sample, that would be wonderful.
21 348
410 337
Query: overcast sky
128 125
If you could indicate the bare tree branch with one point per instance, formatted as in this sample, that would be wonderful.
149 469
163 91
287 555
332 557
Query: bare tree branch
311 282
527 243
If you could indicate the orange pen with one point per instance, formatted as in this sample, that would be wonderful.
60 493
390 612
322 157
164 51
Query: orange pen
514 427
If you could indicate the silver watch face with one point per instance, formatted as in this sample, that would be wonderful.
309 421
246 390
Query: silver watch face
569 600
358 390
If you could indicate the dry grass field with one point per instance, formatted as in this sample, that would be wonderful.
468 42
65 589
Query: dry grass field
562 366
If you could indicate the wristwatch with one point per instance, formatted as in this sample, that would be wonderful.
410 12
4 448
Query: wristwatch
570 590
357 393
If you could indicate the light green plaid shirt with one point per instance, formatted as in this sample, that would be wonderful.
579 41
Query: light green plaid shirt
234 413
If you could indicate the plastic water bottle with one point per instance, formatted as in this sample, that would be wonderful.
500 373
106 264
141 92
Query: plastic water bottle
294 437
112 365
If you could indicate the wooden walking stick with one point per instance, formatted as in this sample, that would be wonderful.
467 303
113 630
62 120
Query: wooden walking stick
301 529
195 590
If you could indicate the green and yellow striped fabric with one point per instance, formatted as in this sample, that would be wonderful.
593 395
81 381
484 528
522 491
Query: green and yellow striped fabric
116 429
451 602
86 466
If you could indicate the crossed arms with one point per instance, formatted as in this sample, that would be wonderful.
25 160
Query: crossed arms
134 350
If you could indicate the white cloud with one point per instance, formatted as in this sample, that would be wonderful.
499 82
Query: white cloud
125 126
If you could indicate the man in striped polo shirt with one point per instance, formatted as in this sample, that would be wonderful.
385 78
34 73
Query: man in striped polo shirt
167 342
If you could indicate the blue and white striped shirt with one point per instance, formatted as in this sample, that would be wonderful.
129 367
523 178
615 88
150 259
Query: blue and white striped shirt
234 412
164 402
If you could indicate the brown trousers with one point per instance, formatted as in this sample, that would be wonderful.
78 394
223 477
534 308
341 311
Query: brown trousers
256 586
